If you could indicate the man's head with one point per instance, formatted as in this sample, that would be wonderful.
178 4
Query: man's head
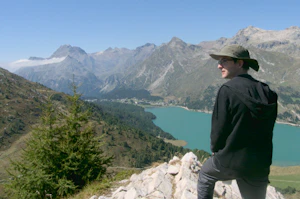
234 60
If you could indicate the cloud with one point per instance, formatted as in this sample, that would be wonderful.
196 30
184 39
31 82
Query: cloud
13 66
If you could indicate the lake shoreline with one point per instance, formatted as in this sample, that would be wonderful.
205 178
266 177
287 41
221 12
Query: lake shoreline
210 112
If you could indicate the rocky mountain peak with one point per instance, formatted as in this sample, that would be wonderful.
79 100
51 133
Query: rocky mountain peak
66 50
257 35
116 50
148 44
293 28
109 49
147 47
250 30
176 42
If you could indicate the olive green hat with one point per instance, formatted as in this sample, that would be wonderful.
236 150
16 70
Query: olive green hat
238 52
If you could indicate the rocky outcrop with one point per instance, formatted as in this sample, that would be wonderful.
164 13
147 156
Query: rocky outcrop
175 180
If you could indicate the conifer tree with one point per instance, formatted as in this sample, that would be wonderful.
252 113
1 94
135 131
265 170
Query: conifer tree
62 155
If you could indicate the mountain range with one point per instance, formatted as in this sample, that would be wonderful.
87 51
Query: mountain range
174 70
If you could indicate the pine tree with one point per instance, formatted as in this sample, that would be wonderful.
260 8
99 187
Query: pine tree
62 155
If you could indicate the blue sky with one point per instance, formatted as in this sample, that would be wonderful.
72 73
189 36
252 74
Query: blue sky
38 28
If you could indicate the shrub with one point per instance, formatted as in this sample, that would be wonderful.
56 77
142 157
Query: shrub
62 155
287 190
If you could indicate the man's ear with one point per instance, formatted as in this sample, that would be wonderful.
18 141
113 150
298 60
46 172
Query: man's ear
240 63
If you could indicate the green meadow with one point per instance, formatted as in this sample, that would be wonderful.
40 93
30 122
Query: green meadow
286 180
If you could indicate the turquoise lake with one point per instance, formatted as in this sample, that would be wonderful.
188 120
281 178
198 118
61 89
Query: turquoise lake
194 128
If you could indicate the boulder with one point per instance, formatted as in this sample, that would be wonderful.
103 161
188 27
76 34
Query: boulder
176 180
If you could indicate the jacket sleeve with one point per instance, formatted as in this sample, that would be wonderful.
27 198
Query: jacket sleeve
221 120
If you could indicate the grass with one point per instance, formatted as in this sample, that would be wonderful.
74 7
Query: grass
283 177
176 142
12 153
104 186
95 188
279 171
286 180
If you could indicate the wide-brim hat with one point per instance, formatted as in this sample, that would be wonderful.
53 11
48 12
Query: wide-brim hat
238 52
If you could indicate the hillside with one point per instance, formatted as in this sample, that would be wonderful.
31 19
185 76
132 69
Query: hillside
130 143
20 102
133 116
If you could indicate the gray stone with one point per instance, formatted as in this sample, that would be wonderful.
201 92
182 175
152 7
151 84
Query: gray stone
173 170
103 197
177 180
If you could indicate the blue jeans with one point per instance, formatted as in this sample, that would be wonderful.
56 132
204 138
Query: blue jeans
250 187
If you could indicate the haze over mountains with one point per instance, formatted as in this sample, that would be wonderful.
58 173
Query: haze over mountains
175 69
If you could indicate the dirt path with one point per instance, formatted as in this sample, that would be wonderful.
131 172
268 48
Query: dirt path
284 180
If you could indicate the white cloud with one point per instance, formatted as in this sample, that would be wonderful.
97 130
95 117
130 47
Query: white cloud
13 66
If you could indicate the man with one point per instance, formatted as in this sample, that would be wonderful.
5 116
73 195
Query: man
243 118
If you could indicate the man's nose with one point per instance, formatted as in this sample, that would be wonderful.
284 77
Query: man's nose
220 66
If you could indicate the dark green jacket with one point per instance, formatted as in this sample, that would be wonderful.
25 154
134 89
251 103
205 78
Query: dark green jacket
242 126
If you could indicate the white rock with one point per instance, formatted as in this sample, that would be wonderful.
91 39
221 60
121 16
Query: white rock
133 177
273 194
185 187
132 193
173 170
156 195
187 194
228 189
103 197
189 158
123 181
176 180
174 160
120 189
